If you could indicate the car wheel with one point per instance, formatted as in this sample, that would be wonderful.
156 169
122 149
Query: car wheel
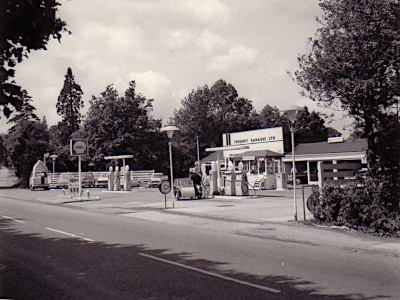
310 206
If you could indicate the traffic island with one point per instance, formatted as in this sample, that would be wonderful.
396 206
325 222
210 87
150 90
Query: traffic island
81 199
75 197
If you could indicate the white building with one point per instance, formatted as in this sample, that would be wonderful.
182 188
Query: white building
264 156
261 159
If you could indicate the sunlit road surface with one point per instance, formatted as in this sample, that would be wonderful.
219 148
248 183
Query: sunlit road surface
59 252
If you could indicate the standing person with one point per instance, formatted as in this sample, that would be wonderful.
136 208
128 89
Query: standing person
197 169
196 179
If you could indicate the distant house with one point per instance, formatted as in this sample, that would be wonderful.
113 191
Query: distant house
7 178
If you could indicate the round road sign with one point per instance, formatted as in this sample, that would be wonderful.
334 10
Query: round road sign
165 187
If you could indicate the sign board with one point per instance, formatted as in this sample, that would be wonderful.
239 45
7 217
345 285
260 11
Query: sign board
270 139
73 184
165 187
79 147
338 139
245 158
268 135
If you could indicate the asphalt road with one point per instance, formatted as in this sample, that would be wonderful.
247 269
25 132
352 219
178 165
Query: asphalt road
59 252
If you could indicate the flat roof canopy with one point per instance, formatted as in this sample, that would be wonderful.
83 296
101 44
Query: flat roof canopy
238 147
258 153
118 157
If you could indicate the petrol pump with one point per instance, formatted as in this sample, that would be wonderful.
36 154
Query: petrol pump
230 179
241 182
213 178
110 179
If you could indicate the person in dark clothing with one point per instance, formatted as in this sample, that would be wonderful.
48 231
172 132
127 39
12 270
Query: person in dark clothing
196 179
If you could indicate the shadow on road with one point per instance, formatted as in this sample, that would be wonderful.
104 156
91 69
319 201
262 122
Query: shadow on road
34 267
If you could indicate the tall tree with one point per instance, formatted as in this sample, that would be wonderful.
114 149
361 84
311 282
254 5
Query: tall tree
355 61
207 113
122 125
69 104
310 128
26 113
24 26
25 144
270 117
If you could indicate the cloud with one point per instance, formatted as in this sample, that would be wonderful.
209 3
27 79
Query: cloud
210 42
150 83
171 47
236 57
207 10
179 38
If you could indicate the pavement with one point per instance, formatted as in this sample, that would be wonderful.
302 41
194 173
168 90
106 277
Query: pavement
266 214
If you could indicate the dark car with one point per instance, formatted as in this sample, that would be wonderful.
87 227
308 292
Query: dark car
88 180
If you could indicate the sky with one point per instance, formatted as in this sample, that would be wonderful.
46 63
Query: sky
170 47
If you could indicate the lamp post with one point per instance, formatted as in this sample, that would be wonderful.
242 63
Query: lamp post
53 158
198 150
291 114
46 155
170 132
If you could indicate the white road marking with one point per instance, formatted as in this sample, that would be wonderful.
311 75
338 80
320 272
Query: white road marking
69 234
261 287
9 218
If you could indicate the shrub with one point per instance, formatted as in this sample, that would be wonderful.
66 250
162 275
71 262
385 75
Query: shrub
357 206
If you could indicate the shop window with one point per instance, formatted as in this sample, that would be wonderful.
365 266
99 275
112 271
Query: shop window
313 165
262 166
272 166
253 167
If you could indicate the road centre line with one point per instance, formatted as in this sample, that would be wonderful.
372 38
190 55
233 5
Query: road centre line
261 287
69 234
9 218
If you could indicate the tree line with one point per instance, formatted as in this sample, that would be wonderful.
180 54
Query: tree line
122 124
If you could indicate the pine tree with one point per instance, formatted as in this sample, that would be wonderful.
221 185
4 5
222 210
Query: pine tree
69 104
44 121
26 113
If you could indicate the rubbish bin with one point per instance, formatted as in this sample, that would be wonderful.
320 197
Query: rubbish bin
281 181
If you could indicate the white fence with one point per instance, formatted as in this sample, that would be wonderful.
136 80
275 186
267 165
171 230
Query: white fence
140 177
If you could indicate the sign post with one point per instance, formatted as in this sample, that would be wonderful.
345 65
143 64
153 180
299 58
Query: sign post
79 147
165 188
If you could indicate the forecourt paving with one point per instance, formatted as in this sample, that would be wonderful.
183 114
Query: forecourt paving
266 214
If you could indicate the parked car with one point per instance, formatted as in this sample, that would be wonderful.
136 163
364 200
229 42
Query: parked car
156 179
102 181
88 180
183 188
